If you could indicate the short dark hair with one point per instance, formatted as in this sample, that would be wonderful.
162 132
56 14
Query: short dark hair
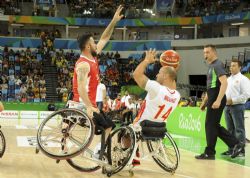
210 46
82 41
237 61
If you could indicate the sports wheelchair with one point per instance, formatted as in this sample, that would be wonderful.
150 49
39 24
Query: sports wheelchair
161 146
2 143
67 135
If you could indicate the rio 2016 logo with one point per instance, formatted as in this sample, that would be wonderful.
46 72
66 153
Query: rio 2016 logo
190 122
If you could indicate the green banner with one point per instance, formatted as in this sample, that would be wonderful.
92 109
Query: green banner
188 121
29 106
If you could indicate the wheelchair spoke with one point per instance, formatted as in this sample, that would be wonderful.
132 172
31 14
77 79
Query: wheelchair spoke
49 127
165 156
89 151
67 130
50 138
78 134
48 133
52 141
78 143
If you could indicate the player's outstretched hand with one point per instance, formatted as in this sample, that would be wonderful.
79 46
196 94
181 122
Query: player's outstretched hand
150 56
118 16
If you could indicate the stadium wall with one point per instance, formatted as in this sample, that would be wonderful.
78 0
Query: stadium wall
192 60
191 51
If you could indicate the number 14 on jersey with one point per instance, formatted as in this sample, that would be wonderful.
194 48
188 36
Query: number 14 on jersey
165 115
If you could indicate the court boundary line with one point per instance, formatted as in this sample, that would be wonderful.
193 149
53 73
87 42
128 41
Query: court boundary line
181 175
248 167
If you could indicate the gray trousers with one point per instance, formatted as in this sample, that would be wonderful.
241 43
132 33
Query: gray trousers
234 116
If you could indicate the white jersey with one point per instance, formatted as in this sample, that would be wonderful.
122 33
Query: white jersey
99 92
159 103
125 100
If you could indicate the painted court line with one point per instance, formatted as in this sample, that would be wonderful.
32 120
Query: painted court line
218 159
181 175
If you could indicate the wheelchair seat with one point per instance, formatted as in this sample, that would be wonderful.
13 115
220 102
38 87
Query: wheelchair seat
153 130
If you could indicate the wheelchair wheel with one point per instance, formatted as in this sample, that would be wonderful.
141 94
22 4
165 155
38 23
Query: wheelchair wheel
121 147
84 162
2 144
65 134
166 155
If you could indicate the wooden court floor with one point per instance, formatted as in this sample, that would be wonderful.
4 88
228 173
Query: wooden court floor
22 162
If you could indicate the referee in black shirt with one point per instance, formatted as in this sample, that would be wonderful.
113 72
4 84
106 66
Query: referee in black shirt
215 101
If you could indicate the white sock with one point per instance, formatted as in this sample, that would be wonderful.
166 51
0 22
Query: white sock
97 149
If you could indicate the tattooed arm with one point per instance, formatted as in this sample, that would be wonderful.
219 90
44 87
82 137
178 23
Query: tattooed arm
82 71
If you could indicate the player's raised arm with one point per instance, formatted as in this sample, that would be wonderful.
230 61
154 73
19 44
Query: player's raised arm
139 76
109 30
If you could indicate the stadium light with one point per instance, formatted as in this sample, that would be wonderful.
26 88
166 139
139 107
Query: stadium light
74 27
239 23
17 25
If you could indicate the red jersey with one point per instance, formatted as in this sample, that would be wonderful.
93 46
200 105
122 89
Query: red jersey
106 107
92 81
118 104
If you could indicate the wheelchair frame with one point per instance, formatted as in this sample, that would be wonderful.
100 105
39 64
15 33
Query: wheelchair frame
139 140
2 143
108 168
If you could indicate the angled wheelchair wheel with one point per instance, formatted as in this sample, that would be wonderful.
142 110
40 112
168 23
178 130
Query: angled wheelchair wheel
84 162
166 153
2 144
65 134
121 148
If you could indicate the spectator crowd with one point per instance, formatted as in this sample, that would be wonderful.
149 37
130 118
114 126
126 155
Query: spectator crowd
9 7
106 8
22 77
114 71
210 7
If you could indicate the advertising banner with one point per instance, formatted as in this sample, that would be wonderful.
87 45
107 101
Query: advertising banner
104 22
9 114
188 121
29 114
72 44
44 114
226 17
185 121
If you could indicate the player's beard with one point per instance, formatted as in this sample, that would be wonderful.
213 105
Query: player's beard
93 53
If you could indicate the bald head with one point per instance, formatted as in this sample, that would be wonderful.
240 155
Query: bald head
170 71
167 76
